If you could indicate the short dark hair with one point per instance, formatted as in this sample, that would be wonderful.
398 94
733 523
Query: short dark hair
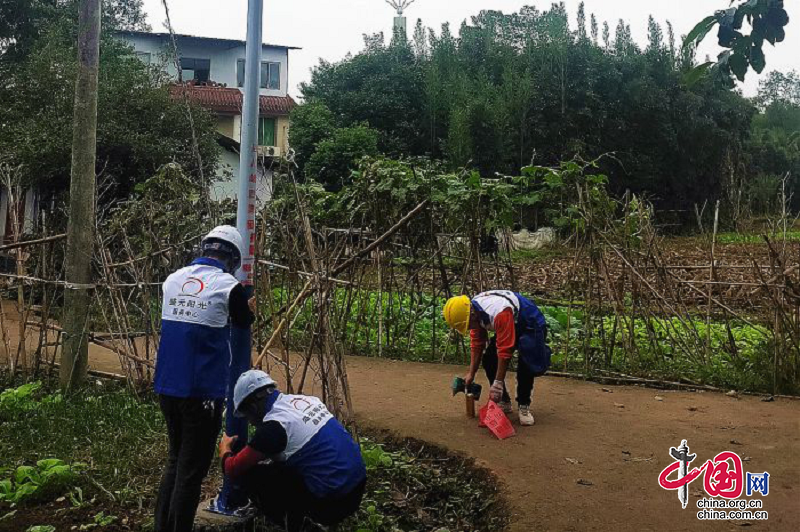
214 254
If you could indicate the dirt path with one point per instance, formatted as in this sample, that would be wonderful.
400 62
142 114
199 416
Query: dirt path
579 421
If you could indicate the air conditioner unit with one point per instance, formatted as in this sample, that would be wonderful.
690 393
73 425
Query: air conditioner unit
269 151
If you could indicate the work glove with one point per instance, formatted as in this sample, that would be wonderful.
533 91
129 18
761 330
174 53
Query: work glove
496 391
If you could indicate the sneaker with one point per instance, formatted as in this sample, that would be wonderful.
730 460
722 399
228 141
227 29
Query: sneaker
506 407
525 415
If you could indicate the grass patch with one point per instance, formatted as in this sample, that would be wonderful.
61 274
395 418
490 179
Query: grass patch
112 441
755 238
539 255
108 447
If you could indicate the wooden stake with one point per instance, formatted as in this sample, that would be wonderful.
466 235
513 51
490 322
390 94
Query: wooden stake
80 231
470 400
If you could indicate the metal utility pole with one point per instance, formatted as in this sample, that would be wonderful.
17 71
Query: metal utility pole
81 227
231 498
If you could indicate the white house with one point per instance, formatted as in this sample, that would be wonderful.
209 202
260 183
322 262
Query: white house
212 71
212 75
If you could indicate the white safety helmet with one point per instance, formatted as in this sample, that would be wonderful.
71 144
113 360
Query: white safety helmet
225 239
249 382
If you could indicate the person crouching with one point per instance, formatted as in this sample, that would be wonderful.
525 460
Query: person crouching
300 464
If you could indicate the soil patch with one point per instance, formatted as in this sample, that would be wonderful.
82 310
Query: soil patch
583 434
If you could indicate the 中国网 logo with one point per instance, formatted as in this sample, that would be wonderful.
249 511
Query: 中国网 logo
724 480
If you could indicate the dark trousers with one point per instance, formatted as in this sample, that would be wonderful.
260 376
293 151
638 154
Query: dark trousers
524 375
281 495
193 426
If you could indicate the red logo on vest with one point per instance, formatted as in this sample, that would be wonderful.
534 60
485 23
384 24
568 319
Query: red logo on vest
192 287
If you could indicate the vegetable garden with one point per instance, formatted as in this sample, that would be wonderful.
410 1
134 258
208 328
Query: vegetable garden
366 271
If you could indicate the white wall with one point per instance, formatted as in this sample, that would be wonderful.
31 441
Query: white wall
223 56
31 211
29 214
224 188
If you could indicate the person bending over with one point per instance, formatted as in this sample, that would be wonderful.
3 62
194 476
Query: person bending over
518 325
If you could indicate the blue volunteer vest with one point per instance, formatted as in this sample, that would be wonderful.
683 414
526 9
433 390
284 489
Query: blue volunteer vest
530 328
317 446
532 337
194 353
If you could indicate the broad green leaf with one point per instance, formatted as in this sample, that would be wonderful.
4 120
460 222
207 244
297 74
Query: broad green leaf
62 471
738 64
5 489
25 473
27 389
700 31
757 59
696 74
48 463
23 491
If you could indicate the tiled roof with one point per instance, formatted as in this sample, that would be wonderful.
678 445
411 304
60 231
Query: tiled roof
229 100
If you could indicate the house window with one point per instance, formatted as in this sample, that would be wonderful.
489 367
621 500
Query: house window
198 70
144 57
266 131
270 75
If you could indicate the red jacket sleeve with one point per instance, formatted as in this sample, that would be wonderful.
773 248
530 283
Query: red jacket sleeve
505 334
477 342
235 466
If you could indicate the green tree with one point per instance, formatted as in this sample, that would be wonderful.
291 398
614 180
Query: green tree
420 41
512 88
381 86
23 22
582 35
673 51
140 126
337 156
779 87
620 38
775 144
655 36
311 123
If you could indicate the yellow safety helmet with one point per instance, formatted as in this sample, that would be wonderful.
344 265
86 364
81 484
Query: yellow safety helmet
456 313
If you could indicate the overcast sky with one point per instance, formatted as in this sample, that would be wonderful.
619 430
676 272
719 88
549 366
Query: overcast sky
329 29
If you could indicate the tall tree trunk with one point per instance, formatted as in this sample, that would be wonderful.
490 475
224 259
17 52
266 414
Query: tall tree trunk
80 232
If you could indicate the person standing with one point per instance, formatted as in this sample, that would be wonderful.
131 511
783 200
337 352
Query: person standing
519 325
300 463
201 302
